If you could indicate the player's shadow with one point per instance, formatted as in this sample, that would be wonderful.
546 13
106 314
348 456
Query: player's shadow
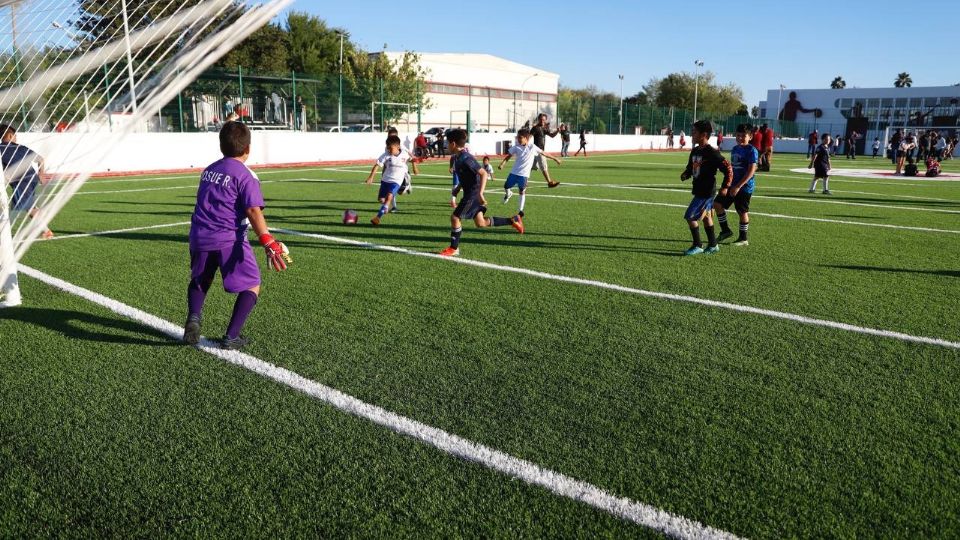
943 273
88 327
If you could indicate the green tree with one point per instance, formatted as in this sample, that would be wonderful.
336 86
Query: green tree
376 78
678 90
838 83
266 51
903 80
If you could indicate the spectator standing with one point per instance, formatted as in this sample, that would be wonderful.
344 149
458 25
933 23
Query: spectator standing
564 140
812 141
583 143
767 154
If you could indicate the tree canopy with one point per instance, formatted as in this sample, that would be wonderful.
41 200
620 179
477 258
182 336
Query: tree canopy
678 90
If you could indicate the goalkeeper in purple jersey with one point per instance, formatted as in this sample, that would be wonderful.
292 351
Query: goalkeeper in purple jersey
229 201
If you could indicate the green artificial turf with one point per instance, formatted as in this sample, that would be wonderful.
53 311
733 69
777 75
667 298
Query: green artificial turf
760 426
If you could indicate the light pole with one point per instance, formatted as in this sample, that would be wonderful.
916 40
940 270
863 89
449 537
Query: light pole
621 103
340 95
779 100
696 87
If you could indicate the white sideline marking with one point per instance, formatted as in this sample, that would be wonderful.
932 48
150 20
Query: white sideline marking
641 292
117 231
672 205
558 483
194 186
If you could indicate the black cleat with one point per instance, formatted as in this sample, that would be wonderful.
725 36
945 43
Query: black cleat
724 235
191 330
234 344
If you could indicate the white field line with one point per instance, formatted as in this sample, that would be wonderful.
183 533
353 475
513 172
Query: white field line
194 186
641 292
558 483
118 231
763 214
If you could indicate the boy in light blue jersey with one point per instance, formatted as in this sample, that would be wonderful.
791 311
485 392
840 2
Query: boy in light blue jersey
744 159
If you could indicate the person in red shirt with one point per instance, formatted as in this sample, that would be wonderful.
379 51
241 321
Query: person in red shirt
756 140
719 139
420 144
767 154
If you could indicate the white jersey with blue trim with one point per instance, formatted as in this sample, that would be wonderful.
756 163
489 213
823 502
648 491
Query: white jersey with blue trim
524 156
394 167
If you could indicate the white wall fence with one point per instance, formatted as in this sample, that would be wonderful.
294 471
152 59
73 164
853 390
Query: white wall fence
139 152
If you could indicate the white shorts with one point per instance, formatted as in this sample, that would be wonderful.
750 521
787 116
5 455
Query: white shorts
540 163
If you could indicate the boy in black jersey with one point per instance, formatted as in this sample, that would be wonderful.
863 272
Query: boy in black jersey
704 163
820 163
472 205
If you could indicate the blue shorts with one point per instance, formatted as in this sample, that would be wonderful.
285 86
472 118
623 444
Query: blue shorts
697 207
387 188
516 181
469 207
456 180
24 196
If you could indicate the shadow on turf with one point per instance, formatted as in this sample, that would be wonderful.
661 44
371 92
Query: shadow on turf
70 324
944 273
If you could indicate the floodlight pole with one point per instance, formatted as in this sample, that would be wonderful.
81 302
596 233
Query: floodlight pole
340 98
621 104
779 101
696 87
126 36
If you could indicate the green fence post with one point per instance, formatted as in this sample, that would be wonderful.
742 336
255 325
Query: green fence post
419 107
382 121
240 77
293 77
106 81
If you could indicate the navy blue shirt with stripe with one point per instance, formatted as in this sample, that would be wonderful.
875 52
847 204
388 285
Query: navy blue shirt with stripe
467 169
17 163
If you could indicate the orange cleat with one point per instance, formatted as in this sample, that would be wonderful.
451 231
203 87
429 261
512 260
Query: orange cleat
47 234
517 223
375 221
450 252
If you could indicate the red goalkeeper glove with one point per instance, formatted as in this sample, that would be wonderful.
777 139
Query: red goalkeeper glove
278 256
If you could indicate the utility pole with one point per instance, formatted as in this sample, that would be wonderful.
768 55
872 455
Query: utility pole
696 87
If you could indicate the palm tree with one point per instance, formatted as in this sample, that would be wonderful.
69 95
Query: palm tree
838 83
903 80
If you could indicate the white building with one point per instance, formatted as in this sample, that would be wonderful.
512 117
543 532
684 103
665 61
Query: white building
499 94
868 111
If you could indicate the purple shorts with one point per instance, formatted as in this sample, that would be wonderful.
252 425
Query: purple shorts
237 265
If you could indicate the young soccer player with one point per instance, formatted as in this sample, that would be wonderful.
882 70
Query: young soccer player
229 201
702 166
394 163
526 152
23 170
406 188
876 147
820 163
473 182
744 159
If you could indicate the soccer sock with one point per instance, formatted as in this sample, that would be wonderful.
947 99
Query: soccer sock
500 221
744 226
523 201
695 232
722 219
455 237
196 294
241 310
383 210
711 237
826 184
393 203
813 185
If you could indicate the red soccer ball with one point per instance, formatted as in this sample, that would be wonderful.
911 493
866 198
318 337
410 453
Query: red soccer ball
350 217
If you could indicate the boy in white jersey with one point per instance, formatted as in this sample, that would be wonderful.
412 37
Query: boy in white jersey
394 163
526 153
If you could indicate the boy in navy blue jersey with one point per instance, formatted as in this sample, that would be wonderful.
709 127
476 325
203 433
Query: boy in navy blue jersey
820 163
473 181
23 170
744 160
704 163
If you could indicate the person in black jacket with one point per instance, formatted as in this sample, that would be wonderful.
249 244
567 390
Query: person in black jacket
703 164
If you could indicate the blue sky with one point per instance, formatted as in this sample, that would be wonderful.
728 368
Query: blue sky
755 44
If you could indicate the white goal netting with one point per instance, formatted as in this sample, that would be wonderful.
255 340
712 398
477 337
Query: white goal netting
71 69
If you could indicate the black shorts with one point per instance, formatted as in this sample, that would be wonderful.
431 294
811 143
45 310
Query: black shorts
468 207
741 202
821 173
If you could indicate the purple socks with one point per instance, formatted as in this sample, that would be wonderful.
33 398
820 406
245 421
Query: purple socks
241 310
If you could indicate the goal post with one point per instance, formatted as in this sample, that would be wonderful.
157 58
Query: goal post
77 77
383 113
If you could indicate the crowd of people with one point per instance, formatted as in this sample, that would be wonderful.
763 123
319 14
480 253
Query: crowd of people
930 147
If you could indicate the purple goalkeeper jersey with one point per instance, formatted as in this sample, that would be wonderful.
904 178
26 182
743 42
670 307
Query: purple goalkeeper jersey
227 189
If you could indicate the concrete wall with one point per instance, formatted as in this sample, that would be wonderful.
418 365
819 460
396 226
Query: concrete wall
139 152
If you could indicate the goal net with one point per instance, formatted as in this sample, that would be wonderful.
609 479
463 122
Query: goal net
76 71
